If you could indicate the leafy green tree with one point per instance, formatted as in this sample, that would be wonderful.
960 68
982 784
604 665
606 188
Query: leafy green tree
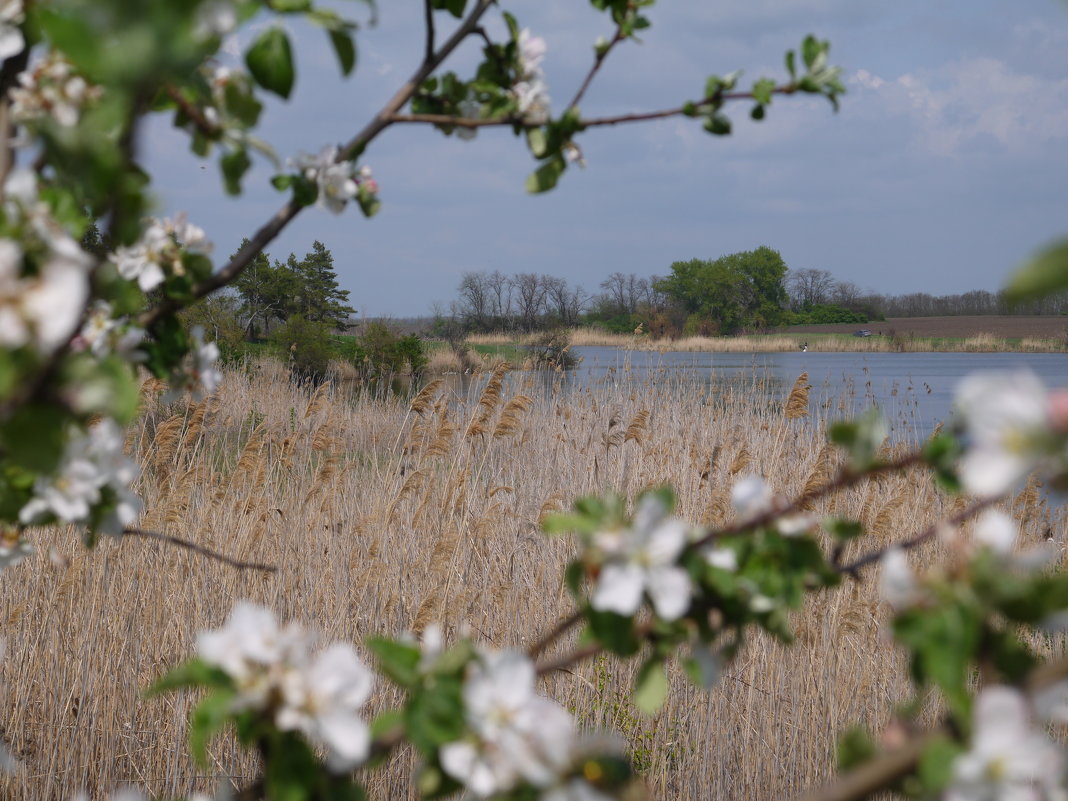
740 290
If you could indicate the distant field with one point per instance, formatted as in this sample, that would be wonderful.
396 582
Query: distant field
1000 326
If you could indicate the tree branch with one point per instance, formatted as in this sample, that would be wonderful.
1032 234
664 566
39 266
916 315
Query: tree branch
200 549
429 31
601 55
273 227
853 568
190 110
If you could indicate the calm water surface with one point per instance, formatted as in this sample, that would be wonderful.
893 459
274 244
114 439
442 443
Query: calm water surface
914 390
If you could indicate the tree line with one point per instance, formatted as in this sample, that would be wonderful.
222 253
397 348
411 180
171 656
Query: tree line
745 291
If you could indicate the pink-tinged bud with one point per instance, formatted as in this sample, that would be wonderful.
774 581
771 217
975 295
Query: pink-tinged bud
1058 410
371 185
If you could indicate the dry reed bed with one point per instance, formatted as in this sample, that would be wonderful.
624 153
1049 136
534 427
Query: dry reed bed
784 343
383 516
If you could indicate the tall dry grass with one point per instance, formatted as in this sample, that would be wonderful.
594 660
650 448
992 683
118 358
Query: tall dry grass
784 343
385 515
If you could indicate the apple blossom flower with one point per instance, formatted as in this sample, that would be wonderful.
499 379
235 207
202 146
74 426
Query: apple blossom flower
159 251
11 39
723 558
997 531
321 702
1009 758
1006 417
205 357
274 672
517 735
43 308
13 549
51 89
897 584
215 18
93 461
751 496
644 559
335 179
103 334
530 90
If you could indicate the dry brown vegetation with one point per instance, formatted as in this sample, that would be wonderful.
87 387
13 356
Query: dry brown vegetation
988 334
385 515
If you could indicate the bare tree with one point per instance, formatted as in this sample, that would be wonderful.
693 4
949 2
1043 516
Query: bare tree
474 303
809 287
530 293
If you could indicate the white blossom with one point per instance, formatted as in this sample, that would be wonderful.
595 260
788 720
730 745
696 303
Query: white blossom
530 90
997 531
13 549
321 701
159 251
103 333
751 496
644 559
334 179
206 371
1005 416
723 558
1009 759
51 89
897 584
42 309
92 462
470 109
274 671
215 18
518 735
11 39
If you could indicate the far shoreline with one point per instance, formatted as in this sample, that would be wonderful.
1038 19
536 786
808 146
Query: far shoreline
987 334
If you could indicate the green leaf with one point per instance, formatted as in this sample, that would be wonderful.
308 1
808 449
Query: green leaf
536 142
936 765
234 165
290 6
206 720
290 769
762 91
614 632
344 48
270 60
855 747
435 716
651 687
1043 275
791 64
399 661
811 48
545 177
718 124
282 182
191 673
454 7
34 437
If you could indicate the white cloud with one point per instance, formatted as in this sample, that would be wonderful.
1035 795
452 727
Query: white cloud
976 102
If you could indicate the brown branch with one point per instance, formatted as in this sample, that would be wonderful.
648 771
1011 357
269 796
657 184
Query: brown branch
429 31
200 549
560 630
875 775
273 227
601 56
592 122
195 115
853 568
845 479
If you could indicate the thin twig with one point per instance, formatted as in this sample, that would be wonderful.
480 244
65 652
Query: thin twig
597 61
560 630
853 568
592 122
845 479
273 227
200 549
429 31
190 110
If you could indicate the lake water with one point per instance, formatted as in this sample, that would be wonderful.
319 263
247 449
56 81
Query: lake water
914 390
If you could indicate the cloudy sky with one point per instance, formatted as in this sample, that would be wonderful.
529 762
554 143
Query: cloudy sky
947 164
